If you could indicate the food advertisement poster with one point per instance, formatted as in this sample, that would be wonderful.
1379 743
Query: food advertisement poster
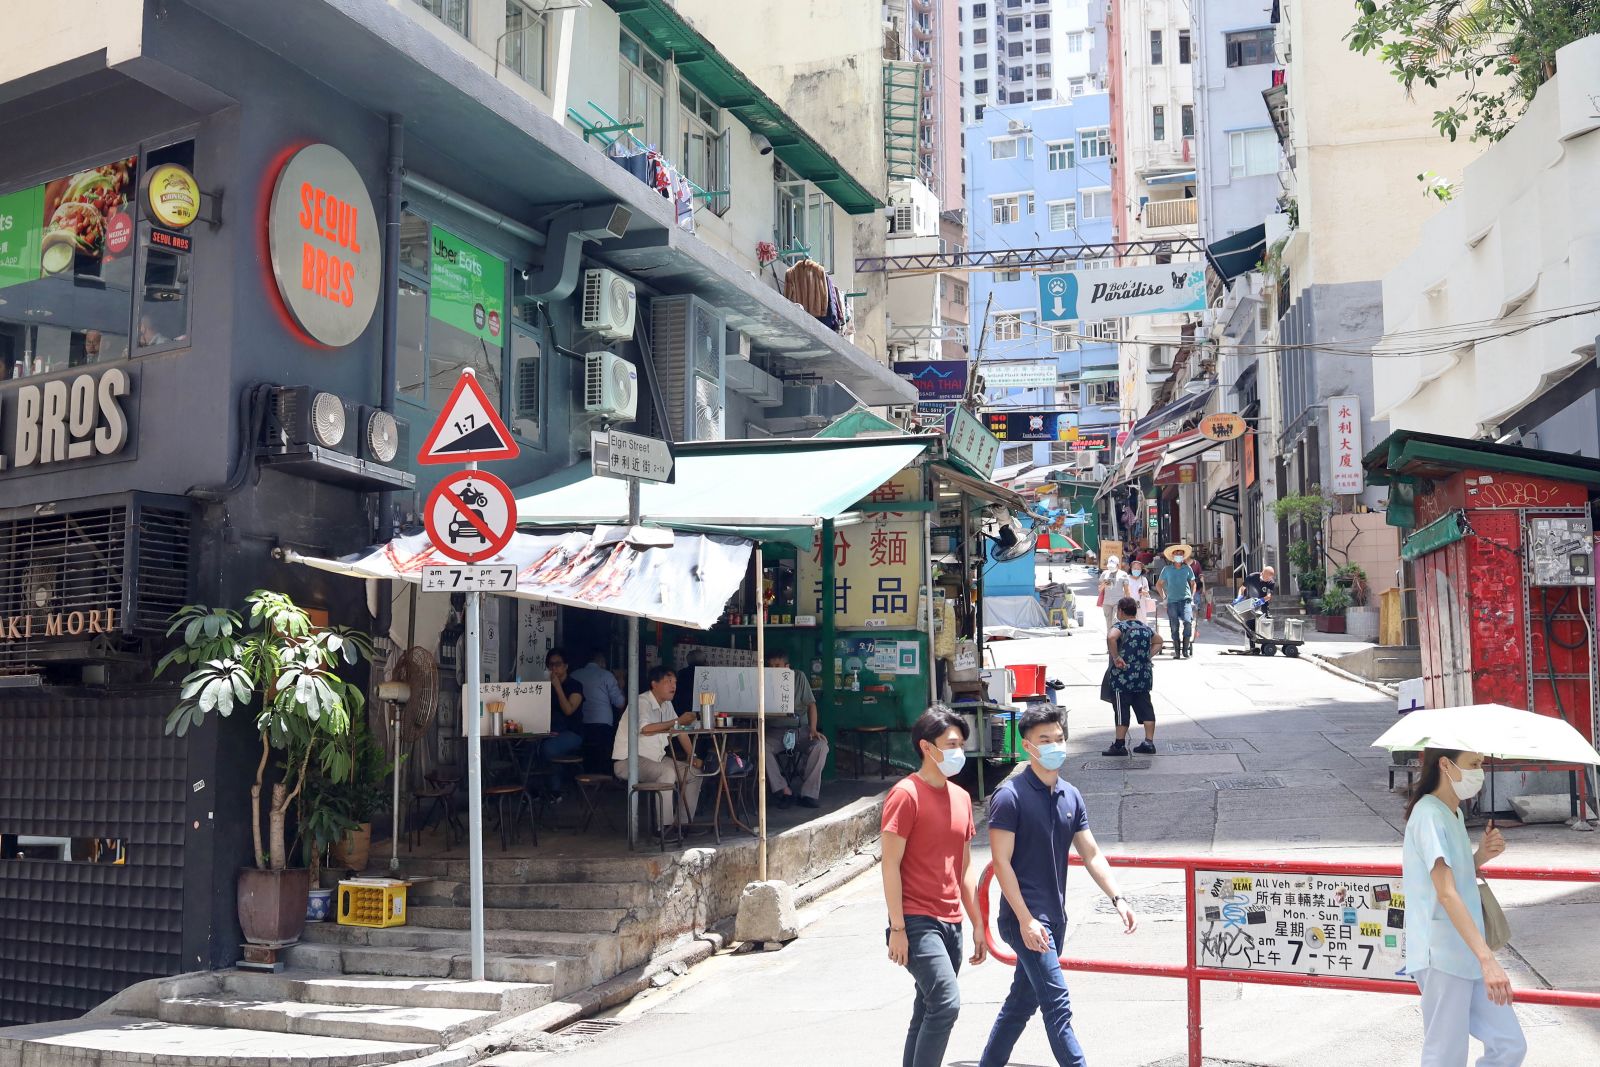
468 287
70 225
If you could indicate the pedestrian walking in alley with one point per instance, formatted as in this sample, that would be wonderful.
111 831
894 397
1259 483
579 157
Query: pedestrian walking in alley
928 879
1110 582
1175 585
1465 991
1136 583
1131 675
1034 818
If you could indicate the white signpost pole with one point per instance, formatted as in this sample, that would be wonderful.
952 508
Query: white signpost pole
761 710
632 696
474 708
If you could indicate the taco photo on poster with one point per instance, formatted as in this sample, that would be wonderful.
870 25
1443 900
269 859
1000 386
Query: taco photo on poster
78 210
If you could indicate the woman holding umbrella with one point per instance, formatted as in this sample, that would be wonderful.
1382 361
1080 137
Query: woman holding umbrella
1464 989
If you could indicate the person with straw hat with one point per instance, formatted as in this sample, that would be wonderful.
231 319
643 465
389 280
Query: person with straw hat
1176 584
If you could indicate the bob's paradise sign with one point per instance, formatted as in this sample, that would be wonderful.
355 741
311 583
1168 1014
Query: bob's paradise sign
322 232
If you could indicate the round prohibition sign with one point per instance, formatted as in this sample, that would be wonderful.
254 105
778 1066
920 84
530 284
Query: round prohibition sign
470 516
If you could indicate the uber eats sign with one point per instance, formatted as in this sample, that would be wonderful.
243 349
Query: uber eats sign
71 419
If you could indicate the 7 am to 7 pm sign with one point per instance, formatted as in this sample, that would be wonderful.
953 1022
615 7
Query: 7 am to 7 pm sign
1122 292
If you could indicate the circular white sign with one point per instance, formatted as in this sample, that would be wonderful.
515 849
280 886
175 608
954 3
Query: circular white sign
322 231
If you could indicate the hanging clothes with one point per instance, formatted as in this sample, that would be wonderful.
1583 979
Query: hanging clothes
806 284
833 318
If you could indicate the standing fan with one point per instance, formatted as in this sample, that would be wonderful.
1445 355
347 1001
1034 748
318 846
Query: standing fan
412 694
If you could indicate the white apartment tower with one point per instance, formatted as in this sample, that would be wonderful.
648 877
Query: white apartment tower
1020 52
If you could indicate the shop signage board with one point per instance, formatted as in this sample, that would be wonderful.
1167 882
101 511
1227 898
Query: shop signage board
971 443
1301 924
466 287
614 454
1031 425
66 420
322 232
173 196
69 225
1223 426
1184 473
469 429
468 579
1122 292
1090 441
1030 374
470 515
877 574
1344 445
935 379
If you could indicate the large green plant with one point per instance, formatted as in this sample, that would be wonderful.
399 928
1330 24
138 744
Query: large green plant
276 659
1336 600
1495 53
1308 508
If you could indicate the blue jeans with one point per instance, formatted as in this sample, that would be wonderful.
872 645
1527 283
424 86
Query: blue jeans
1038 985
1180 612
933 956
565 743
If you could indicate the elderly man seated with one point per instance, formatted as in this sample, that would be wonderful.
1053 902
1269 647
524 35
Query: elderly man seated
657 719
810 746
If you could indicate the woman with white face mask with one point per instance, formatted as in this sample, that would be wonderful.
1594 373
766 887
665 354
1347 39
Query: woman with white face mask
1464 989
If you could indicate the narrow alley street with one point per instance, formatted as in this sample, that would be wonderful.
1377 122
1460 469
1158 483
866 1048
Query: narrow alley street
1257 757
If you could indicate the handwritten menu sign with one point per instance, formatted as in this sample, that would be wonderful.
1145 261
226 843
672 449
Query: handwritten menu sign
1300 924
736 690
527 703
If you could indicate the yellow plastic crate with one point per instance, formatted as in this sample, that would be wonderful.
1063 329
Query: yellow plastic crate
377 902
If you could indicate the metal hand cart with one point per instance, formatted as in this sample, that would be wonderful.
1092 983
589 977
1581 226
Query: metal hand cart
1265 634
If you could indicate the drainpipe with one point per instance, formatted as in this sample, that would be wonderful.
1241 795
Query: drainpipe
393 194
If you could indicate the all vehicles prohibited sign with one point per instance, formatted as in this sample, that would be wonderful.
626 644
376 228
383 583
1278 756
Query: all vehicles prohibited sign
470 516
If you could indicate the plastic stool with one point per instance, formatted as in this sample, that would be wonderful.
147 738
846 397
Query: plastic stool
518 799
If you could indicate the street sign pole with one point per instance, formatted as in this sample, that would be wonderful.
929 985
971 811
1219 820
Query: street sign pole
633 693
474 709
761 709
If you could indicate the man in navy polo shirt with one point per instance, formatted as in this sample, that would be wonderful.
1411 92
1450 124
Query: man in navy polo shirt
1033 819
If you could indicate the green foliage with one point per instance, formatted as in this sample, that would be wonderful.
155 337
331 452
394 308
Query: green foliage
1311 582
276 659
1301 556
1336 600
1510 44
1308 508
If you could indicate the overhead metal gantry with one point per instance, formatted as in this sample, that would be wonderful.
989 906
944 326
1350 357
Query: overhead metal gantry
1019 258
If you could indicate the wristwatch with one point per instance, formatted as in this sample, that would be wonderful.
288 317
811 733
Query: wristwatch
1116 900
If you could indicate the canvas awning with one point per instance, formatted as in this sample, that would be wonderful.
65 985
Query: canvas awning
980 488
686 581
778 490
1178 409
1238 253
1187 446
1225 501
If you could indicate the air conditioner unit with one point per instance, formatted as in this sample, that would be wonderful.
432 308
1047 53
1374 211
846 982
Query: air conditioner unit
687 337
609 304
384 438
1015 127
298 416
1161 357
610 386
1083 460
903 223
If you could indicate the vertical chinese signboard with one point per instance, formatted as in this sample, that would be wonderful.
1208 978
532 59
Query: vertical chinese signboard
877 564
1344 446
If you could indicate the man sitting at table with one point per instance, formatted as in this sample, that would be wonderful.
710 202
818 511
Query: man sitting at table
811 747
656 721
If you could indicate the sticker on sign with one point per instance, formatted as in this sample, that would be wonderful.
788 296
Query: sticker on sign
492 579
629 455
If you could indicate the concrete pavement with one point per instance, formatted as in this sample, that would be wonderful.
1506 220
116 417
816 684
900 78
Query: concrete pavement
1257 757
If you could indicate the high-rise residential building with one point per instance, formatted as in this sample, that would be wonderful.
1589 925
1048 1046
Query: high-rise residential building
1020 52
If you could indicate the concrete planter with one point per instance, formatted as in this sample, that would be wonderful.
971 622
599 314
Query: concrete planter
1361 623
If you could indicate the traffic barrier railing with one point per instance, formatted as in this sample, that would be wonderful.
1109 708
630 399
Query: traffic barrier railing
1242 908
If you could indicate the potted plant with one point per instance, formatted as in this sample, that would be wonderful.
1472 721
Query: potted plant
1360 618
275 660
1334 603
1352 577
358 799
1311 584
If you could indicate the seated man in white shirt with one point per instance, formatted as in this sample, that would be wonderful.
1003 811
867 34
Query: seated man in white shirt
656 721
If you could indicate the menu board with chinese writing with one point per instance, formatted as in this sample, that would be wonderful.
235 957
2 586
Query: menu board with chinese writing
1300 924
878 563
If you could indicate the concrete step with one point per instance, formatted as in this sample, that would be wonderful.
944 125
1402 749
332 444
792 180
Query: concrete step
562 974
503 942
116 1041
312 987
446 893
563 920
435 1027
534 869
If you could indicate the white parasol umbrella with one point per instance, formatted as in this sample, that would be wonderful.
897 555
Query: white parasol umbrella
1493 730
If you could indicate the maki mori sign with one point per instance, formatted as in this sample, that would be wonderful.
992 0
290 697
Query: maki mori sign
58 624
65 420
322 232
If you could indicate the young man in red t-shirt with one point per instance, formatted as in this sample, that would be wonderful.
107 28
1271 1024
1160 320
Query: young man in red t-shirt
928 878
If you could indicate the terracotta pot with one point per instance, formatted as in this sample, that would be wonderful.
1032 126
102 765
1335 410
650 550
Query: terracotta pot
272 905
352 850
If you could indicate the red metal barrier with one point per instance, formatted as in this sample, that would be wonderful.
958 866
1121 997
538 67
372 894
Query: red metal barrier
1193 973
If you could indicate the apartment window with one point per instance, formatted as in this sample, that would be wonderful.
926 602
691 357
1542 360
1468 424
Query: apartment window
1027 203
1104 329
1096 203
1063 214
1016 76
1008 326
1011 147
1155 48
1158 122
1041 21
980 35
1188 120
1183 46
1017 98
1042 46
981 87
705 159
1042 70
977 112
1102 394
804 214
526 43
1095 143
1014 49
1078 86
1044 94
1252 152
980 61
1249 47
1074 42
1005 209
1014 24
1093 263
1060 155
642 76
980 11
452 13
958 292
1003 276
1062 339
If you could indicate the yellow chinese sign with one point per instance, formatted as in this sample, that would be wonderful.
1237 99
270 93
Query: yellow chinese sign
877 564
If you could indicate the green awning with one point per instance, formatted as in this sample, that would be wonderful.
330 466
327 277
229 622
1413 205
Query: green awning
1406 453
777 490
658 25
1445 530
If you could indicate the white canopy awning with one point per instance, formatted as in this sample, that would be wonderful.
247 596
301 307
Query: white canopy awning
686 581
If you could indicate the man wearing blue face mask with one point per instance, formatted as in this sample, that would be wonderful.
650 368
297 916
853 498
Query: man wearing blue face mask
1033 819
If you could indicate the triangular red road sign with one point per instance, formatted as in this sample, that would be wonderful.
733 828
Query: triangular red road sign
469 430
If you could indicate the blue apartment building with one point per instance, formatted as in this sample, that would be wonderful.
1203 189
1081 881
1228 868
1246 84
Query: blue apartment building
1040 175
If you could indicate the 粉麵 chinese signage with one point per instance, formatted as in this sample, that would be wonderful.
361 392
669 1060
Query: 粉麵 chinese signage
323 235
1344 446
1122 292
877 564
468 287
